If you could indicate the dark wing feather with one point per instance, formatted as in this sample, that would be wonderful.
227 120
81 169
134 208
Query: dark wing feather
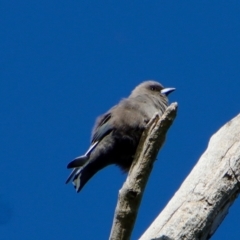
102 128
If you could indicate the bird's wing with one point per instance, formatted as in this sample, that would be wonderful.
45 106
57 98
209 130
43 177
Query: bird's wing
102 128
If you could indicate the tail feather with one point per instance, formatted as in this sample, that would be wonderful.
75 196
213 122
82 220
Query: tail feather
85 166
78 162
81 160
71 175
81 177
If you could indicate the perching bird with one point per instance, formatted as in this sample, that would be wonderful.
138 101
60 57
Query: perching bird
116 133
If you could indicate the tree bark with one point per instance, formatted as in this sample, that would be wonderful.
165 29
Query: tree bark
131 193
201 203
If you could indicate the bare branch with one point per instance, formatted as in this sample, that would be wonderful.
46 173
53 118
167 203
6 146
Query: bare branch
200 205
131 193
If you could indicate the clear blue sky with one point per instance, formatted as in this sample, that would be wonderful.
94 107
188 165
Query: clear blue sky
65 62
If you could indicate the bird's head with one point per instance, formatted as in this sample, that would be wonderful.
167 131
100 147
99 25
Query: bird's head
151 88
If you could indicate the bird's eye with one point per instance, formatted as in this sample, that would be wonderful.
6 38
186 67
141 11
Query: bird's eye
154 88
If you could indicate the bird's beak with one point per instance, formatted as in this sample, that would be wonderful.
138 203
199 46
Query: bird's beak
167 91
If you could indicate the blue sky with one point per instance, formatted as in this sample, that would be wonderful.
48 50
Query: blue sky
63 63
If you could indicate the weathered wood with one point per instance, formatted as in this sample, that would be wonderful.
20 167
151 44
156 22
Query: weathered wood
131 193
203 200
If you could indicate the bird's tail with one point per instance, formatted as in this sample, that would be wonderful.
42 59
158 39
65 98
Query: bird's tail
82 175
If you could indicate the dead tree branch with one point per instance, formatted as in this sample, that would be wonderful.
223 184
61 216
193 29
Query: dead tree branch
203 200
131 193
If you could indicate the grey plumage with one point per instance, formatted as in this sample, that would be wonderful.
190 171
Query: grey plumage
116 134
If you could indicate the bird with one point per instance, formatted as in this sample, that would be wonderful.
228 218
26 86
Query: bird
116 133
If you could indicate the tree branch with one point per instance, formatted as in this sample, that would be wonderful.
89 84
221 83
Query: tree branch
200 205
131 193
